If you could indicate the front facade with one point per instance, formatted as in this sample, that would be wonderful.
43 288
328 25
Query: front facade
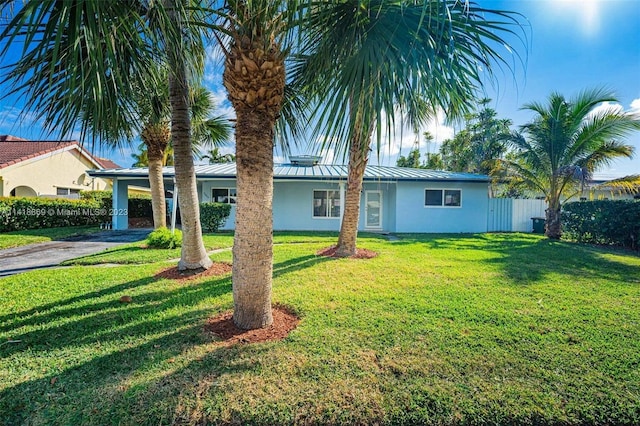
311 197
46 168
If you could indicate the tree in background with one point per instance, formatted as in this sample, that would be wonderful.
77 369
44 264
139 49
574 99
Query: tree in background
433 161
565 144
476 148
216 157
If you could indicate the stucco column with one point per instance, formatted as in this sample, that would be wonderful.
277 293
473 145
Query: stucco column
174 206
120 200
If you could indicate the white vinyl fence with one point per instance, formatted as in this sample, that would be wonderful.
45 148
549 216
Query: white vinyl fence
513 215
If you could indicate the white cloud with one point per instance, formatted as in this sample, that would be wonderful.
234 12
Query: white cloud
635 105
606 107
404 139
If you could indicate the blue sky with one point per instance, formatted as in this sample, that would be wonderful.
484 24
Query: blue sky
571 45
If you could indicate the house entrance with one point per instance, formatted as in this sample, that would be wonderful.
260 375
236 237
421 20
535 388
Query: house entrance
373 209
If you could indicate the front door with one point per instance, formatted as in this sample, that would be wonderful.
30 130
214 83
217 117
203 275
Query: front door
373 209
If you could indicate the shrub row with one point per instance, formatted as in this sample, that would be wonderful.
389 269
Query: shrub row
603 222
139 204
33 213
214 215
94 207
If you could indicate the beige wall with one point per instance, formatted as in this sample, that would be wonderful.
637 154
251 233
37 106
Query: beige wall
44 174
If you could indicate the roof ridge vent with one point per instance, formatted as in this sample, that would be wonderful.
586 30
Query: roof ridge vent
305 160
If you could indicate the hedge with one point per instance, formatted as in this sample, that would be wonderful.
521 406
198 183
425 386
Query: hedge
214 215
17 214
139 204
603 222
94 207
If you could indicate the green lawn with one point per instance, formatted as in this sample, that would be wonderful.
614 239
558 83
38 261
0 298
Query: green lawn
21 238
471 329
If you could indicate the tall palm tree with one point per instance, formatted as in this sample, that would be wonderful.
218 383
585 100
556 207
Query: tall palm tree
154 111
380 59
565 144
254 76
156 135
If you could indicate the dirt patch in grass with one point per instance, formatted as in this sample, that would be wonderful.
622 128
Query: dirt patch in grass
360 253
217 269
283 322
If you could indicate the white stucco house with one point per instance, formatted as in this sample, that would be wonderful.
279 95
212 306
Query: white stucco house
310 196
47 168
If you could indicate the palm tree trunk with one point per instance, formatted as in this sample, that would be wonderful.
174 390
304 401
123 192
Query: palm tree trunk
253 242
156 183
553 226
358 159
255 79
156 137
194 255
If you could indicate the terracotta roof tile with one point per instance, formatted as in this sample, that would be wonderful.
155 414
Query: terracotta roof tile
107 164
13 152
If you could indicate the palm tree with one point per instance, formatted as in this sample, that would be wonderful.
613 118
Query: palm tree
141 157
156 135
82 63
565 144
154 112
381 59
254 76
215 156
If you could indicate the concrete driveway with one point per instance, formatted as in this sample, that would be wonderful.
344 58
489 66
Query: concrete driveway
51 254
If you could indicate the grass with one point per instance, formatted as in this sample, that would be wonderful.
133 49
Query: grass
440 329
21 238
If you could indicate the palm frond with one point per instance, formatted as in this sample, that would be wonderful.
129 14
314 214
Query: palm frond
106 44
626 185
393 58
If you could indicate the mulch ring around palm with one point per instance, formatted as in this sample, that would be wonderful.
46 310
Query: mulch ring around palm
222 325
360 253
172 273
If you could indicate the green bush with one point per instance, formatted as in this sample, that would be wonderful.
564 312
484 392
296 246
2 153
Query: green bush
603 222
18 214
214 215
162 238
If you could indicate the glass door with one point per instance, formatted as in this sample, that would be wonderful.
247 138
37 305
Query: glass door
373 209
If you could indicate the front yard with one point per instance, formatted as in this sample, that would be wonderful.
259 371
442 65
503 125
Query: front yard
438 329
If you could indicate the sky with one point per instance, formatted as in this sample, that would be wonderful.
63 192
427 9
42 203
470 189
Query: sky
567 46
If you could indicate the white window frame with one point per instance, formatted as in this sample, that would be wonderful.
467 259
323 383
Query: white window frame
443 205
69 191
313 198
231 199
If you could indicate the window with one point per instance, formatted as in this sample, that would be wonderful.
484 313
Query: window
326 203
223 195
67 191
442 197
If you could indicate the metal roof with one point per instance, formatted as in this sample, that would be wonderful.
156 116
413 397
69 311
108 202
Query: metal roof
294 172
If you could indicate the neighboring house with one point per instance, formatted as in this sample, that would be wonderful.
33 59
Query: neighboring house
599 190
310 196
47 168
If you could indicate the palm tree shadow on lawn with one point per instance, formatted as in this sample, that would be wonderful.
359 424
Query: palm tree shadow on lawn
108 322
528 259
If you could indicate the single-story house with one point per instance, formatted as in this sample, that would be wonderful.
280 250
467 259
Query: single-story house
310 196
47 168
